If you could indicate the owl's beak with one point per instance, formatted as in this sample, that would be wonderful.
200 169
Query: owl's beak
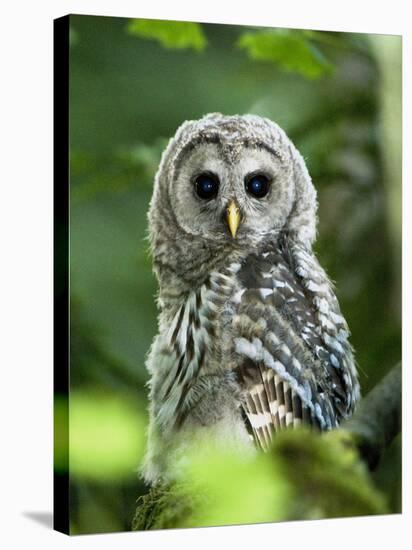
233 217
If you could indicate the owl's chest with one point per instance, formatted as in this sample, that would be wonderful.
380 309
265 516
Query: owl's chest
200 330
224 346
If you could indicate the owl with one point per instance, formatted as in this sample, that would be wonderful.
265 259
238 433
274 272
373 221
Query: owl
251 339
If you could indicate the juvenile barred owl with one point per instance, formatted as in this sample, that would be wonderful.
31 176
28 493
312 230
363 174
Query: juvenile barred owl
251 339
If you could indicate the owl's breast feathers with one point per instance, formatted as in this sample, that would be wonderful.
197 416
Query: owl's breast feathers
274 324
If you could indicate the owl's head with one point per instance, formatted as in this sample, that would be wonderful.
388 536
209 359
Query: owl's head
229 183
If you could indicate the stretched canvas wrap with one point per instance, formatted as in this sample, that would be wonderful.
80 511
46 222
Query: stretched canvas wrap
227 274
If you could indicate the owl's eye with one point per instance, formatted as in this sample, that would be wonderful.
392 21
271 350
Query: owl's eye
206 185
257 185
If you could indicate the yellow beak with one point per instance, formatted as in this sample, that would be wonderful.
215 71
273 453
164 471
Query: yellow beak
233 218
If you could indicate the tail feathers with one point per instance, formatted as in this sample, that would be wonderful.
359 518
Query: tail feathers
271 405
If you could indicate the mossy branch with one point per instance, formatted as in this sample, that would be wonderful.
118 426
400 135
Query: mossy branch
306 475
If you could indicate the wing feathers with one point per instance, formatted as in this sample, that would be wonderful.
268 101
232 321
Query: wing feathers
294 360
270 403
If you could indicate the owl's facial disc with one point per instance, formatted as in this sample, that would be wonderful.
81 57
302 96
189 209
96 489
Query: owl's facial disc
235 199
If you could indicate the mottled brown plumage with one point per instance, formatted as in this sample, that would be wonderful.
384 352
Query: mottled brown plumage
251 339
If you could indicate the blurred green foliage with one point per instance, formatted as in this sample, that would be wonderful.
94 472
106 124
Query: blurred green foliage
132 83
171 34
291 50
106 438
305 476
61 434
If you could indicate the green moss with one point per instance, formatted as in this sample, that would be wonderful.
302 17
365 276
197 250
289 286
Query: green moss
305 476
164 507
327 476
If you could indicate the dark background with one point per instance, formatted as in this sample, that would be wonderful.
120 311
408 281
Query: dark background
336 95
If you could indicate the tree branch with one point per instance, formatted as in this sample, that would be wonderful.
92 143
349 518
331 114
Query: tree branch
326 471
378 418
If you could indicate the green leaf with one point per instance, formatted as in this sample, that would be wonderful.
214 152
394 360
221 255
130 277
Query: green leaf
171 34
291 50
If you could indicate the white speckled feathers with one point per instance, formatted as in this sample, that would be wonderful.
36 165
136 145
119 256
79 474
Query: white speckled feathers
294 360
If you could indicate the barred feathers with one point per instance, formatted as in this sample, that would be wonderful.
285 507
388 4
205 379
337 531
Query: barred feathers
189 344
294 360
